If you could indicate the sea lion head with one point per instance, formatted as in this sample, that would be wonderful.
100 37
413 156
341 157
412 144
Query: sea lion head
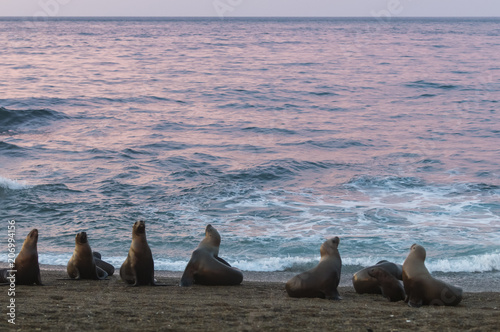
329 247
212 236
81 238
33 236
418 251
139 228
30 243
376 272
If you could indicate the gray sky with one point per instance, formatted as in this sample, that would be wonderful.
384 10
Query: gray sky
226 8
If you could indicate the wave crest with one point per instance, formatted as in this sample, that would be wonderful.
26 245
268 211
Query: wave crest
13 184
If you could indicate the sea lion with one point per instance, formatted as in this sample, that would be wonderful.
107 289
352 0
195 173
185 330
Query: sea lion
26 263
423 289
138 268
206 267
82 264
4 276
365 284
390 286
110 269
321 281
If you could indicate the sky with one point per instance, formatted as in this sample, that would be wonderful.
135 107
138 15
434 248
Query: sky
227 8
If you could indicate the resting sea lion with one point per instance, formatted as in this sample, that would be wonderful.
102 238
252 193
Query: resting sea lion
82 264
26 263
364 283
321 281
138 268
110 269
4 274
423 289
390 286
206 267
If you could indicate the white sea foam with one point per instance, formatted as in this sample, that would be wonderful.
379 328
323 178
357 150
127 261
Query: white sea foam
272 263
473 263
13 184
162 264
369 260
54 259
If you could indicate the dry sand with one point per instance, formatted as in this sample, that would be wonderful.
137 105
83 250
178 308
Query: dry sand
253 306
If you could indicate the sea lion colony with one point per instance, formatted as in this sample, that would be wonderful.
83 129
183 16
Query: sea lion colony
410 282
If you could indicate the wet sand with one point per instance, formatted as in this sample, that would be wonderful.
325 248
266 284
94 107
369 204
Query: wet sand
253 306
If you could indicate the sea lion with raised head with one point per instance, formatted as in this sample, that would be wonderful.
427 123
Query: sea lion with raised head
206 267
390 286
26 263
365 284
138 268
423 289
322 280
82 264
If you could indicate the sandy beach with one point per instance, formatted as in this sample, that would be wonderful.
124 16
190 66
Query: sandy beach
253 306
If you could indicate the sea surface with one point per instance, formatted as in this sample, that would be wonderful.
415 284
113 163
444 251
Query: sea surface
280 133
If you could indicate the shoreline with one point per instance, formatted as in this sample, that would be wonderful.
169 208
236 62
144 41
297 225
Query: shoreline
470 282
253 305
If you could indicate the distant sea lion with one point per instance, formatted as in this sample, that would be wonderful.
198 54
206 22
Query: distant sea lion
391 287
26 263
206 267
321 281
365 284
82 264
423 289
138 268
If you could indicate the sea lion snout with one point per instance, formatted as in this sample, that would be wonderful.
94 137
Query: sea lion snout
140 227
418 250
81 237
330 246
33 234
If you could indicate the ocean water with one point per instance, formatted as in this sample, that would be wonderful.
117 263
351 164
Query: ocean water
280 133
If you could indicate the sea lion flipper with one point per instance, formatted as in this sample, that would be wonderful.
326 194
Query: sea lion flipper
96 254
413 298
101 274
153 281
333 295
110 269
73 271
3 276
39 278
187 279
415 302
222 261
